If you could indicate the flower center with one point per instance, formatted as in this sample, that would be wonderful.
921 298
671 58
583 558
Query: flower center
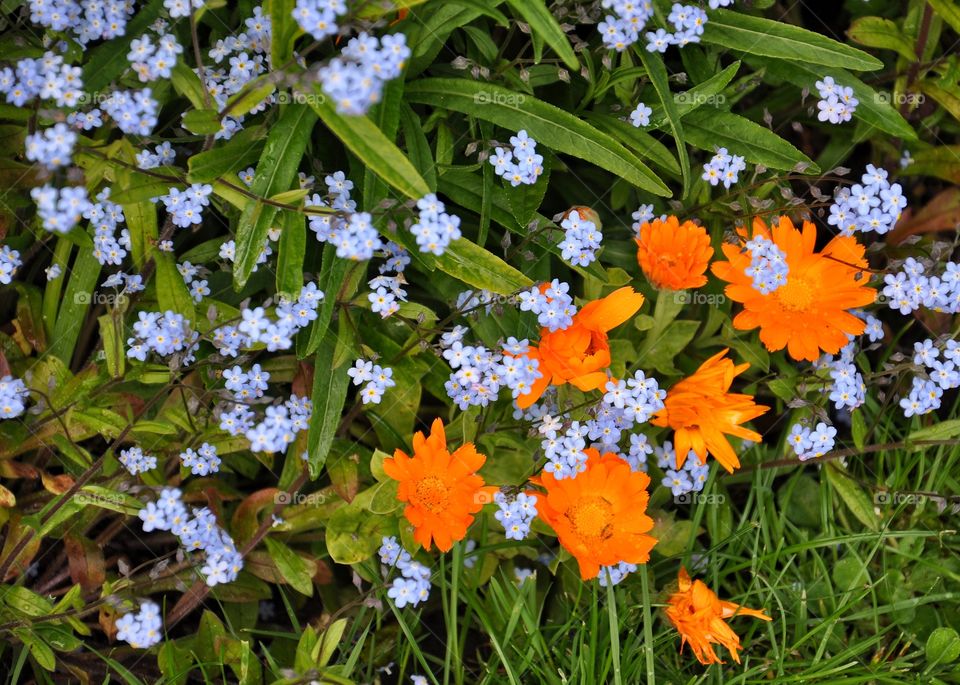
431 494
592 517
796 295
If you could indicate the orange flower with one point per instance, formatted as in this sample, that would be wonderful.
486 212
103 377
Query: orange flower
580 353
600 515
442 490
810 312
672 255
698 615
701 411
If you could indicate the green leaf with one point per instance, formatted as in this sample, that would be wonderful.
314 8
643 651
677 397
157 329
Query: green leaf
284 30
658 76
642 143
755 35
470 263
291 566
172 291
187 83
948 10
251 95
875 32
853 496
73 306
943 646
858 428
377 152
328 396
111 332
276 171
290 253
875 108
418 148
203 122
945 430
543 24
553 127
239 152
708 128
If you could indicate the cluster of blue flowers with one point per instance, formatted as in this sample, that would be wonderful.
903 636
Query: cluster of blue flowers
626 404
141 630
909 289
515 514
104 217
52 147
48 78
413 587
376 378
13 397
86 20
520 164
622 29
808 443
837 103
938 375
581 239
565 454
135 461
9 263
130 283
154 60
386 289
185 207
319 17
198 531
847 391
181 8
198 286
434 229
478 374
355 236
723 168
134 111
688 24
614 575
874 204
201 462
60 209
355 80
164 333
768 265
553 305
640 116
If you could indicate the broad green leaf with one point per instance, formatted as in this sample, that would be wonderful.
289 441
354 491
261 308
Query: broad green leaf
948 97
642 143
553 127
658 76
172 292
544 25
111 333
332 280
942 161
290 253
480 268
187 83
30 315
948 10
284 30
377 152
875 108
708 128
74 305
203 122
853 496
876 32
293 568
276 171
240 151
758 36
708 92
329 394
945 430
251 95
942 647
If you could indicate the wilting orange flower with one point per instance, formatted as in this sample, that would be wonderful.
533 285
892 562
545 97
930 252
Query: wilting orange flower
698 615
600 515
701 412
580 353
810 312
442 490
674 256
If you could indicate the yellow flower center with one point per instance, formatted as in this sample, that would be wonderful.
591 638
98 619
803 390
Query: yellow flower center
796 295
431 493
592 517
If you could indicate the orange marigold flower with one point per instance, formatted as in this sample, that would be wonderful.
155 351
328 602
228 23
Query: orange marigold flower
442 490
698 615
674 256
600 515
580 353
808 314
701 412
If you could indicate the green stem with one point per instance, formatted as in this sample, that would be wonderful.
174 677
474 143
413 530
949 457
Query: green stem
647 625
